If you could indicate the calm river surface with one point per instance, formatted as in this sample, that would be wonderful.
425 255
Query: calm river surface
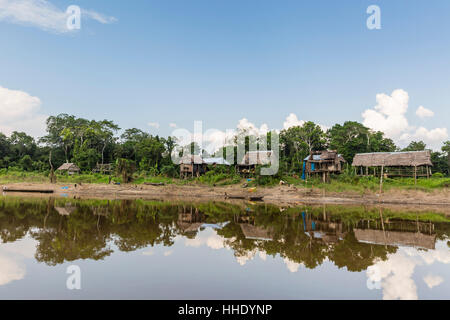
136 249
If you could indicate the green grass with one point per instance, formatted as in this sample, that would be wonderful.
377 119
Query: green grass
342 183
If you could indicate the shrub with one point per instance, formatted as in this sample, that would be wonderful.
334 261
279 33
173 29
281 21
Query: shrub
170 171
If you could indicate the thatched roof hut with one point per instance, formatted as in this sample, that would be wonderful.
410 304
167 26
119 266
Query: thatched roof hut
323 162
396 238
252 232
216 161
67 210
71 168
393 159
256 158
191 159
192 165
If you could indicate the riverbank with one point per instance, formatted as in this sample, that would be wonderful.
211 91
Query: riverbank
281 195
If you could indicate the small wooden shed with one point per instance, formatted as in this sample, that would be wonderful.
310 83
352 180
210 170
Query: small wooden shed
70 168
323 163
394 164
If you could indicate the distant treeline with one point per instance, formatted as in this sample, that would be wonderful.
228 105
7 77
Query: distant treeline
89 142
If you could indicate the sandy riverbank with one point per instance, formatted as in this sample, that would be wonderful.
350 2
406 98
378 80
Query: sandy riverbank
276 195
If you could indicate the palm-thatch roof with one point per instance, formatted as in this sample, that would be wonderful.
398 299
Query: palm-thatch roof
66 211
191 159
393 159
217 160
396 238
189 227
68 167
256 233
257 158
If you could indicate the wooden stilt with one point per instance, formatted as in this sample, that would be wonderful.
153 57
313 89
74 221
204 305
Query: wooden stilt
415 175
381 179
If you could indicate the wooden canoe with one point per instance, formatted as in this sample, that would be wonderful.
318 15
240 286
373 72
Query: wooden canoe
244 197
27 190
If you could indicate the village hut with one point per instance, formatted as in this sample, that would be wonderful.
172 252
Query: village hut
67 210
396 238
101 211
189 221
70 168
252 232
192 165
216 161
322 230
252 159
394 164
322 163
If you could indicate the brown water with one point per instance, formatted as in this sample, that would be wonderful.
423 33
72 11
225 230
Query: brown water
136 249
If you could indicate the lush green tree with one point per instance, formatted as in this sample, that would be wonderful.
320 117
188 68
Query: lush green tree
26 163
61 132
22 144
446 147
440 162
415 146
298 142
125 168
353 137
5 150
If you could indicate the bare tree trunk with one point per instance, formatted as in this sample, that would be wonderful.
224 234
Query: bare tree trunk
415 175
65 153
103 151
52 171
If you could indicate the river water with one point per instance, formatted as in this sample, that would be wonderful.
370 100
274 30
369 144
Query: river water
136 249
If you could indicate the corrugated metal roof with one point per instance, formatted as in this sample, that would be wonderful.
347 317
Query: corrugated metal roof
317 157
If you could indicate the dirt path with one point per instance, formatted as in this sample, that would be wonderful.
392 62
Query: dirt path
277 195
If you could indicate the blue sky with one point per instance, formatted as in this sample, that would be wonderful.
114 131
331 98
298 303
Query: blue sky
177 61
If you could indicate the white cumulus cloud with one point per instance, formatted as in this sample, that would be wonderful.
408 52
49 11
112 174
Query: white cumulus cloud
208 238
167 253
212 140
395 277
292 121
12 255
396 273
432 281
424 112
433 138
19 111
43 14
389 116
291 265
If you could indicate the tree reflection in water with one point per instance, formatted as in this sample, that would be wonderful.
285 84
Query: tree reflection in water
350 237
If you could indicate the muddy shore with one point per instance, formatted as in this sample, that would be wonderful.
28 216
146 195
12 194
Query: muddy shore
280 195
